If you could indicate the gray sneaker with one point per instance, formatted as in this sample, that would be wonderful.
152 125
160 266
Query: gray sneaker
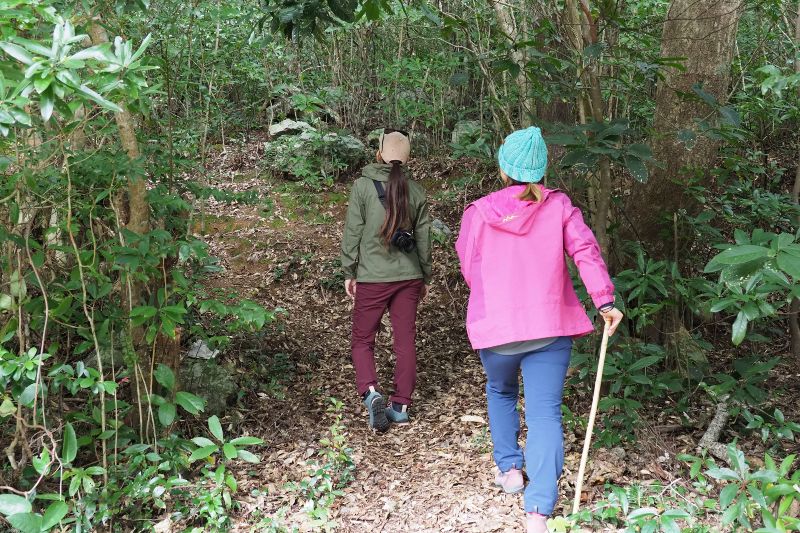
397 417
376 406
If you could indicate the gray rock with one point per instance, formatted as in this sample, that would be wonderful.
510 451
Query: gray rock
346 148
209 380
465 132
200 350
311 153
439 231
289 127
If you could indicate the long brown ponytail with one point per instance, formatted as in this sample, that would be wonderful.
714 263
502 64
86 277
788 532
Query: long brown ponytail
397 212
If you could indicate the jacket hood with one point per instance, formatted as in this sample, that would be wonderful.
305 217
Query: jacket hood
505 211
379 171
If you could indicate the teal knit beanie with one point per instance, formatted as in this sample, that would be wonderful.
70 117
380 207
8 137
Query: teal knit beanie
523 155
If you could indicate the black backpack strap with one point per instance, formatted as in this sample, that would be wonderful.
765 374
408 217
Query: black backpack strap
381 192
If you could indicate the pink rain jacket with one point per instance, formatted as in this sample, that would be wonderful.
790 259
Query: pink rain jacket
512 258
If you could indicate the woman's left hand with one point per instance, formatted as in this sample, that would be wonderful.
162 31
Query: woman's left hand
612 317
426 289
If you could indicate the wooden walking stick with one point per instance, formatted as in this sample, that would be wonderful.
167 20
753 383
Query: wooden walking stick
590 427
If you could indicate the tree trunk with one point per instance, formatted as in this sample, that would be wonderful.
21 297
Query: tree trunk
505 18
138 210
136 218
794 316
703 32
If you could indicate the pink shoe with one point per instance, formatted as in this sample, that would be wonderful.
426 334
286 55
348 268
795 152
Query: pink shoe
537 523
511 482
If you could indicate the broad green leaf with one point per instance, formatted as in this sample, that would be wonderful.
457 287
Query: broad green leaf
246 441
74 485
11 504
17 286
166 413
644 362
165 376
668 525
142 47
637 168
786 464
98 53
69 449
765 476
244 455
741 253
141 314
644 511
202 453
92 95
191 403
727 495
739 328
790 264
216 428
723 473
7 408
640 151
17 52
202 441
26 522
54 513
731 513
41 84
41 462
28 395
675 513
229 450
578 156
46 104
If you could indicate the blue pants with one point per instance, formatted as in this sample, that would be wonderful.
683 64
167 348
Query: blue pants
543 373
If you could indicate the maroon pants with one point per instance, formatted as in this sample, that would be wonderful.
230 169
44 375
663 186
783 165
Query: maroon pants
372 299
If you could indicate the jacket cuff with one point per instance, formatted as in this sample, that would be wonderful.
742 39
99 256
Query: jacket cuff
349 273
599 299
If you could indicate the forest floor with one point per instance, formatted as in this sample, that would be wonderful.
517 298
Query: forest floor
435 474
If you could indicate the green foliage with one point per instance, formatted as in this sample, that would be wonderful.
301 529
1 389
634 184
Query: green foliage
758 275
771 427
633 377
737 497
587 143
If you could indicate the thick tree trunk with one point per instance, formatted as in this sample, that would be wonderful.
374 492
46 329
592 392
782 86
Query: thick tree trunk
704 32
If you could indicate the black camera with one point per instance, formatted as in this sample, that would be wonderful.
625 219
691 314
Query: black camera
404 241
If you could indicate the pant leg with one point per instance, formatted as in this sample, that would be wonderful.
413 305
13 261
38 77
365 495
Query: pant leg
543 374
502 394
371 302
403 313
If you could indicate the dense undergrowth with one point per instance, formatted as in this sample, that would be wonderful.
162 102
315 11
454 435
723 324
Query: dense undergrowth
106 149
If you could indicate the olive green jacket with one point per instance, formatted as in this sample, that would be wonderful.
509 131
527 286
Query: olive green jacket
364 256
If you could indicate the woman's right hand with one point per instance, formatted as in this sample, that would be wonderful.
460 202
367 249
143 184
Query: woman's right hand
350 288
612 317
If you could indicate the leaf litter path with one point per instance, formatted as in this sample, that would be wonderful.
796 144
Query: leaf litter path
435 474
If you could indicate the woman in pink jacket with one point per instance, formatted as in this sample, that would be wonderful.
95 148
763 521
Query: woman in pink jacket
523 312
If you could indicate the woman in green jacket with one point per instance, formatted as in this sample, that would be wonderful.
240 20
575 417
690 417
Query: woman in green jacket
386 258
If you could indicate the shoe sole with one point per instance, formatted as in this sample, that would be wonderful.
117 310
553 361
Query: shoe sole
514 491
377 415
